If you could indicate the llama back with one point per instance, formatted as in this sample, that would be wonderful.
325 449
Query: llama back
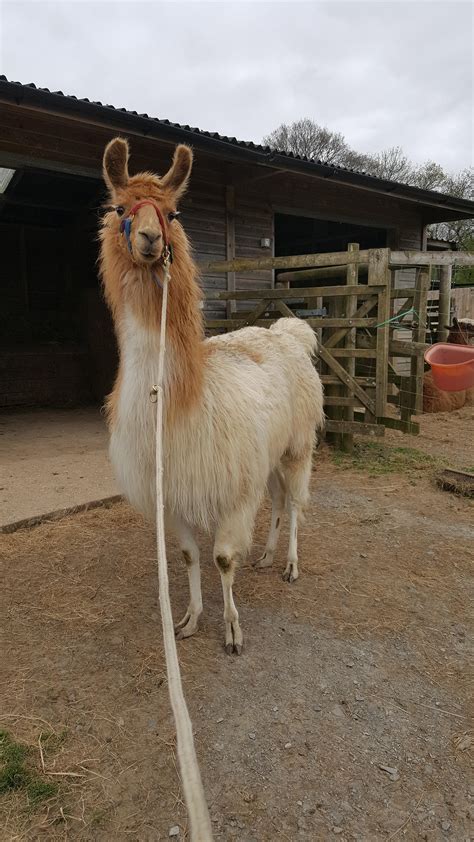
299 330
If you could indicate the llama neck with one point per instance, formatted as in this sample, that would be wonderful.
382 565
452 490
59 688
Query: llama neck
139 336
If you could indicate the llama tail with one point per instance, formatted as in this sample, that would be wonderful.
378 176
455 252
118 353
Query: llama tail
299 330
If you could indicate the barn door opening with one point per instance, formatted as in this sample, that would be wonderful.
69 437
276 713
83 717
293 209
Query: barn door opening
305 235
56 340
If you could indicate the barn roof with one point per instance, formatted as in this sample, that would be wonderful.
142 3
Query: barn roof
230 147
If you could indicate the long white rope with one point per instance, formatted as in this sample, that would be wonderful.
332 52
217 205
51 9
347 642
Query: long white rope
200 825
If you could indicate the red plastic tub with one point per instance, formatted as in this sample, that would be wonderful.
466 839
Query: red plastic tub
452 366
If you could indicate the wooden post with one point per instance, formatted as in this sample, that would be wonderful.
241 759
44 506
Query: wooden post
350 343
336 309
230 243
420 302
444 312
379 273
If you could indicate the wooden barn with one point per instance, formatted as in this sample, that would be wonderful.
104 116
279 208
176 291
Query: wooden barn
245 201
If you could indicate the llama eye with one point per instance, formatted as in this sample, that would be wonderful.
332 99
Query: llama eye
173 215
120 210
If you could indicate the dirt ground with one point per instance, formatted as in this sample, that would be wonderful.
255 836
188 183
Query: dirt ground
346 716
52 460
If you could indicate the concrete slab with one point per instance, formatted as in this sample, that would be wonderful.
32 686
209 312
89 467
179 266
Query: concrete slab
52 460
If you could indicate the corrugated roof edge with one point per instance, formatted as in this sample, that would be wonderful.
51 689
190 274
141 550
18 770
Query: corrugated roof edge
251 150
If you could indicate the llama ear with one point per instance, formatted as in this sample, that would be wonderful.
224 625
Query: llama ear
177 177
115 164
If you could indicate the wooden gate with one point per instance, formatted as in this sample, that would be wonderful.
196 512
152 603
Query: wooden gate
355 317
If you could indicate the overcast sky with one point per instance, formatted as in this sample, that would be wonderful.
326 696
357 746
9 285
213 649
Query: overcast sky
382 73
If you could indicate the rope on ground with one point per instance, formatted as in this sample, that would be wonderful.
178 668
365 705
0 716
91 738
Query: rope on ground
198 813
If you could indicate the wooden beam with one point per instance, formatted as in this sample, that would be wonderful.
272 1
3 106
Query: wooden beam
337 272
352 277
337 400
315 322
366 307
431 258
419 333
402 292
357 427
379 272
356 353
230 243
329 379
346 378
282 308
255 314
405 426
17 161
444 317
407 349
335 258
402 310
360 290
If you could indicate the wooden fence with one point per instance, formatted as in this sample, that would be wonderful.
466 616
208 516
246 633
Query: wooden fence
354 305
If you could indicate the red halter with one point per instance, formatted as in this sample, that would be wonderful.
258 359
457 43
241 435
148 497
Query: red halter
126 227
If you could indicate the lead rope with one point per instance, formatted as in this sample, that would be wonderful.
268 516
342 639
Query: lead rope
198 813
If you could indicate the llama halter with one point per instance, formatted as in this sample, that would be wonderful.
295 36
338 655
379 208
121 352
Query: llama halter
166 256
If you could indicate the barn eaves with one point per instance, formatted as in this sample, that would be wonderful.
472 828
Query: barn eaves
58 103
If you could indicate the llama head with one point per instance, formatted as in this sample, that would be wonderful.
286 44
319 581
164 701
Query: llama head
141 237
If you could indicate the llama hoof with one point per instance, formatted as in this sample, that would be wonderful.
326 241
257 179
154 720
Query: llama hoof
187 630
234 638
187 626
233 648
266 560
290 573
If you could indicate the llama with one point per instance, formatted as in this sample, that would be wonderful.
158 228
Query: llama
434 399
241 410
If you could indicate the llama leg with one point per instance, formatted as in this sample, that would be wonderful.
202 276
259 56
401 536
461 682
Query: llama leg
233 538
291 573
189 623
276 487
297 476
234 638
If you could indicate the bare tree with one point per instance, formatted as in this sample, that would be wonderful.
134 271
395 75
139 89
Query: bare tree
460 231
391 164
309 140
304 137
428 176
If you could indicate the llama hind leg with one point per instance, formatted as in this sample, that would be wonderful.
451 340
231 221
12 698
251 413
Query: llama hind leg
276 487
232 543
188 625
297 476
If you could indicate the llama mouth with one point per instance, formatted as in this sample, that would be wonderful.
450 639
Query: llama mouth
149 256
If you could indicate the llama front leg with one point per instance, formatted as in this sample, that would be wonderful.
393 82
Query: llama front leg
188 625
276 487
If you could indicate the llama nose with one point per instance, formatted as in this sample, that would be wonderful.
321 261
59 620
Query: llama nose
150 234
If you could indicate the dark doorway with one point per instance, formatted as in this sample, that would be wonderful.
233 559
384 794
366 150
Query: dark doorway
305 235
56 340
